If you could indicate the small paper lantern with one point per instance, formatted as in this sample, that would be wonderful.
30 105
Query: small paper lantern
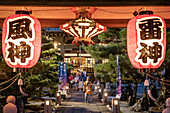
21 40
146 40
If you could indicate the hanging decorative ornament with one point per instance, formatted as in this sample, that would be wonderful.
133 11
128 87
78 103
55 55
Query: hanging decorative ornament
20 83
146 82
21 40
146 40
150 95
83 27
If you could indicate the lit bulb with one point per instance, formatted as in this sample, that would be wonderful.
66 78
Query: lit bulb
83 24
115 102
105 94
65 25
66 87
100 90
47 102
58 94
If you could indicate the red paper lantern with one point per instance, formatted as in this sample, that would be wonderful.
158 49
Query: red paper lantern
146 40
21 40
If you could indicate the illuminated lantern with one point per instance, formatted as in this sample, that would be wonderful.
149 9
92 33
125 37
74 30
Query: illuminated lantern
83 27
146 40
21 40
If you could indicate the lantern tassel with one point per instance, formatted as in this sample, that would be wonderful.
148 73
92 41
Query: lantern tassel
150 95
14 69
25 69
20 83
22 92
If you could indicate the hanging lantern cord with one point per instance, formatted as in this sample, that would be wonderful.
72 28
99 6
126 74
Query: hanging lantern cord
9 80
11 83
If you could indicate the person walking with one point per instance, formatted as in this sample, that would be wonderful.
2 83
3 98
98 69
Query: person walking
87 89
76 80
81 80
84 72
71 78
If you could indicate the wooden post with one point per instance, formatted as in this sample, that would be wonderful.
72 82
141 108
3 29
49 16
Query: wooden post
95 89
99 93
115 105
105 98
58 98
102 87
47 106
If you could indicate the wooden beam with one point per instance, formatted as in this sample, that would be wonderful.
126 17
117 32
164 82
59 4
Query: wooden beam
112 23
54 23
84 2
117 23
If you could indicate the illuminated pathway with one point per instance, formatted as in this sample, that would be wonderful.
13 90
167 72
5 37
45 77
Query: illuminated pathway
75 104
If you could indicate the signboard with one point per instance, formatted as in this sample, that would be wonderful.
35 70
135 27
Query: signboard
53 29
146 41
21 40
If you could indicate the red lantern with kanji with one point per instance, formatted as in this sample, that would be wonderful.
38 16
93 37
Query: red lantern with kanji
21 40
146 40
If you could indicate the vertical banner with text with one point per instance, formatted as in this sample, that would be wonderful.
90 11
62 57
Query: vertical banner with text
62 74
119 89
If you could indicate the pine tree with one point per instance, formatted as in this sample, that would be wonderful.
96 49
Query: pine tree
109 70
6 73
45 72
129 73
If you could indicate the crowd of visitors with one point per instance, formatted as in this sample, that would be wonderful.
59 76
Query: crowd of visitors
81 83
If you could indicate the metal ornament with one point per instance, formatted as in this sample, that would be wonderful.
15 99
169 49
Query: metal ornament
83 27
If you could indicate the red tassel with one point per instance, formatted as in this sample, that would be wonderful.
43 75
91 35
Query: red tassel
150 95
22 92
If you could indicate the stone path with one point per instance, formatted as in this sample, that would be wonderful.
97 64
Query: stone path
125 108
75 104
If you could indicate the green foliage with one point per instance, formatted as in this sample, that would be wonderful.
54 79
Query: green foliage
129 73
109 70
109 34
46 46
69 68
45 72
